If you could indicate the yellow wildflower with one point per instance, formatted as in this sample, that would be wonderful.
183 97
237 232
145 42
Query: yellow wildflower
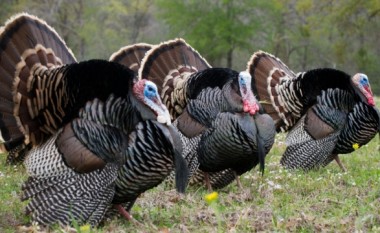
211 197
355 146
85 228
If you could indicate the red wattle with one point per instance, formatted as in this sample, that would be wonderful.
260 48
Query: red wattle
250 108
371 101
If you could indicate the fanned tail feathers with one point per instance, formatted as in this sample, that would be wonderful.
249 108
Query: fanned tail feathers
269 77
168 65
131 55
27 45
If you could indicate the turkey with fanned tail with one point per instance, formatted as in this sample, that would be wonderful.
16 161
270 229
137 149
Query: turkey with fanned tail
326 111
223 132
93 135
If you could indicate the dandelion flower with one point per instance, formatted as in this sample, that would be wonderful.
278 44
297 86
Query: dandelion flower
85 228
355 146
211 197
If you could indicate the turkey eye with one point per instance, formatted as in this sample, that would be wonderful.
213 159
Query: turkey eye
150 89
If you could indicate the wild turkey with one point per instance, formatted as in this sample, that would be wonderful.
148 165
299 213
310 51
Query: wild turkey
325 110
98 136
214 109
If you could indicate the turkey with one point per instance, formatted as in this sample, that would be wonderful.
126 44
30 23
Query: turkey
131 55
223 132
95 136
326 111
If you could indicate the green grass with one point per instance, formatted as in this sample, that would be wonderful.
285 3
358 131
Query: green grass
280 201
11 209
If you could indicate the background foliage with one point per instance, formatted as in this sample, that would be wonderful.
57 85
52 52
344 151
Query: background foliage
305 34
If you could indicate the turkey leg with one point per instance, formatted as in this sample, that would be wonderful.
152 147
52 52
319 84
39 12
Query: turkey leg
336 157
123 212
238 181
207 181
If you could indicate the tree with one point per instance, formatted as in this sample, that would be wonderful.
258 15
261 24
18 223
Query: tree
91 28
215 28
305 34
358 25
339 34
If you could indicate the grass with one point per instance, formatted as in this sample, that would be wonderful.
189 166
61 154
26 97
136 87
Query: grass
279 201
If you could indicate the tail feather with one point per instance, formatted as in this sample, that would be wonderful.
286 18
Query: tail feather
6 97
131 55
23 32
26 44
268 72
18 153
168 65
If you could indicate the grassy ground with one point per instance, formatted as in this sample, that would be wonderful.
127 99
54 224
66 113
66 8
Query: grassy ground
323 200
